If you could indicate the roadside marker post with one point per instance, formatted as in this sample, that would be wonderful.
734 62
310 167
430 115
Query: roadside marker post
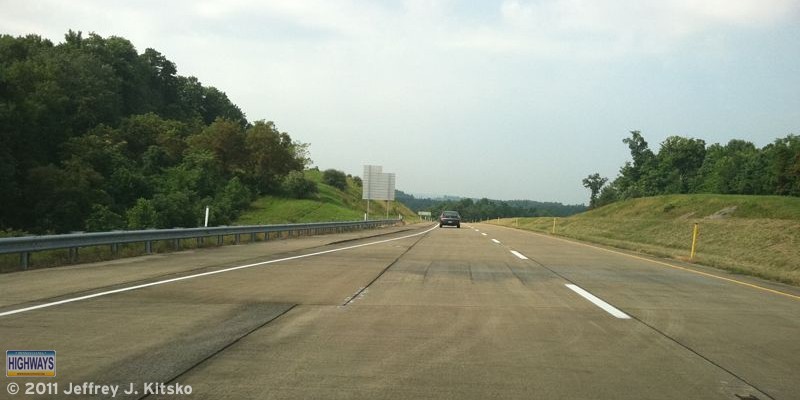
554 226
694 239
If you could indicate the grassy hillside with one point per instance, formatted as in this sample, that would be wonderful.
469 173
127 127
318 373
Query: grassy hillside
755 235
330 204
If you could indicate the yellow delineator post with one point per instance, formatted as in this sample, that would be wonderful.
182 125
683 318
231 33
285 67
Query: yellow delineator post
554 226
694 239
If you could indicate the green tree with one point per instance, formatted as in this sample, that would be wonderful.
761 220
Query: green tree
142 215
231 200
782 159
60 199
594 183
103 219
177 209
271 156
162 84
634 179
335 178
225 139
679 161
730 169
298 186
9 189
608 194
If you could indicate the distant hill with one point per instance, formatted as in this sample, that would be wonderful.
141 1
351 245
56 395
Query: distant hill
486 208
330 204
755 235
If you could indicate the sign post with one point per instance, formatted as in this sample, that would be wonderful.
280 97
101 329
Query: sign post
377 185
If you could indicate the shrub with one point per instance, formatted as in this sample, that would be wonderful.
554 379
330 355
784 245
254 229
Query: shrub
103 219
142 215
335 178
297 185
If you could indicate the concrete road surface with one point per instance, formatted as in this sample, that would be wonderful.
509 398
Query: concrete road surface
416 313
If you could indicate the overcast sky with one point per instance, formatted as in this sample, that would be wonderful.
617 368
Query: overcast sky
501 99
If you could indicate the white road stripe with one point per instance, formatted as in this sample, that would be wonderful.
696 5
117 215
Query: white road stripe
496 241
483 234
182 278
600 303
519 255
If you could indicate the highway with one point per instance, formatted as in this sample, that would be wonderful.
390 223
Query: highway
415 312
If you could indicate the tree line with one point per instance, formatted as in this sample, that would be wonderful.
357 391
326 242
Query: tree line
687 165
95 136
482 209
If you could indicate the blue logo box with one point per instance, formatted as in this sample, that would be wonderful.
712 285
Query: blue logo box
30 363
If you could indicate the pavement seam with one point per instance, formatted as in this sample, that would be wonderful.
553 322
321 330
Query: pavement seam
356 294
366 237
515 274
227 346
693 351
471 278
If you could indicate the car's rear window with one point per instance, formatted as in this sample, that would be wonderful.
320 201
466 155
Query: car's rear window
450 214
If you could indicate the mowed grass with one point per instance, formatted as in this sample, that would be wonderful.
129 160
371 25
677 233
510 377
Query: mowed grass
330 204
753 235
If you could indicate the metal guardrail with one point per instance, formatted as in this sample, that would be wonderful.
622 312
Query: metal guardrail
25 245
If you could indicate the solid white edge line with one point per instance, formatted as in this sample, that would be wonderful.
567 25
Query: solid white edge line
126 289
600 303
496 241
519 255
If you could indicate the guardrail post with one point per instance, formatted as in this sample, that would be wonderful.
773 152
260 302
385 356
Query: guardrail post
24 259
73 254
220 240
115 248
148 247
238 238
176 244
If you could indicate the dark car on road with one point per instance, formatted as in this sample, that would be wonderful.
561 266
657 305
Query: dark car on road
452 218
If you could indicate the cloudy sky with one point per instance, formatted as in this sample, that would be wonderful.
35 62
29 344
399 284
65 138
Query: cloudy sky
516 99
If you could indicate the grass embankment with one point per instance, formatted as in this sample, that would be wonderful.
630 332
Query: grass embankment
330 204
753 235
